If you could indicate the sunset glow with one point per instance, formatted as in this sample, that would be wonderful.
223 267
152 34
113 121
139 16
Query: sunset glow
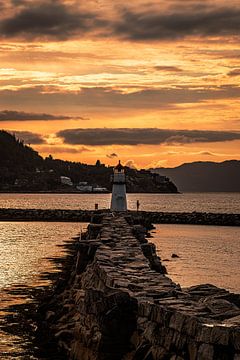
78 80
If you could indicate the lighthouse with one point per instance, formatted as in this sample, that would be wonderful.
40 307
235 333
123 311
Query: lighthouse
119 199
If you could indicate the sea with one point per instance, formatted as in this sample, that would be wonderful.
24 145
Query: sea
205 254
188 202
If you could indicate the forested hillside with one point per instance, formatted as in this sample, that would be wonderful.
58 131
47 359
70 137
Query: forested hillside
23 169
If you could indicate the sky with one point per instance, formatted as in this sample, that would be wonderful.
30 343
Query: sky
153 83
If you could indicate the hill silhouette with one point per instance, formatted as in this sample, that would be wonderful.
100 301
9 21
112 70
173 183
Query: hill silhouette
16 159
14 154
205 176
23 169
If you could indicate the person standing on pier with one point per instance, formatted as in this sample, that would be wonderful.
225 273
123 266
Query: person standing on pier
138 205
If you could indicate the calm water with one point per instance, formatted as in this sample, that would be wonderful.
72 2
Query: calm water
207 254
25 249
203 202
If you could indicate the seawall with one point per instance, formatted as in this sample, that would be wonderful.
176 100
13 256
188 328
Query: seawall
195 218
114 301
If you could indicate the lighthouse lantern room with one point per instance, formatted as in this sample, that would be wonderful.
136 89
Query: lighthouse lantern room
119 199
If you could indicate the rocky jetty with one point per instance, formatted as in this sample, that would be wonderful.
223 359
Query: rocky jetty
194 218
45 215
114 301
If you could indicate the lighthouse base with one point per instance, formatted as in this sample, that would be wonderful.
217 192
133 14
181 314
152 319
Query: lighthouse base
119 199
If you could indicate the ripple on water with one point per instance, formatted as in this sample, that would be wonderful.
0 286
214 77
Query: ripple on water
26 252
207 254
203 202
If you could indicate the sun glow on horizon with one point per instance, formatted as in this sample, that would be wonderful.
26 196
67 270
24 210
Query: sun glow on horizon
89 69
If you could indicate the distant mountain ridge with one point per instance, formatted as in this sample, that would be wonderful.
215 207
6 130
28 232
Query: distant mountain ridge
204 176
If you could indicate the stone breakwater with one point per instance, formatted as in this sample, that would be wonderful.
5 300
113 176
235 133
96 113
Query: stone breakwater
195 218
114 302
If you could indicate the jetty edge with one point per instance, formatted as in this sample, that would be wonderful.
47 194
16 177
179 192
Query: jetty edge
154 217
114 301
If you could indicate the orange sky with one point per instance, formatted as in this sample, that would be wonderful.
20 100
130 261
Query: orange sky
153 83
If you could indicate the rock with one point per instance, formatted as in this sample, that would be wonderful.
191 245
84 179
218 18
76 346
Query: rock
113 301
49 315
205 352
235 339
175 256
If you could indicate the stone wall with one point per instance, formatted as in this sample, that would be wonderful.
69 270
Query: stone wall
150 217
116 302
195 218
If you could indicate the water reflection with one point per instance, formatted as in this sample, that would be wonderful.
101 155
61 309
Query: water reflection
207 254
204 202
26 250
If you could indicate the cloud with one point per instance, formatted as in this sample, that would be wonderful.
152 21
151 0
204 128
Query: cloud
235 72
100 97
178 22
207 153
48 19
131 164
168 68
62 150
147 136
111 156
62 20
29 137
8 115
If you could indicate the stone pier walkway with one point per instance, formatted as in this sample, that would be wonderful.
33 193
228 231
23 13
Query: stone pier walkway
118 303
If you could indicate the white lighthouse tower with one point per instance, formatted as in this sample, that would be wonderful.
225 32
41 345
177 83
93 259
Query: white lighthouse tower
119 199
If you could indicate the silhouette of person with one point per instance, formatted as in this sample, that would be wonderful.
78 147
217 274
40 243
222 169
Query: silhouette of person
138 204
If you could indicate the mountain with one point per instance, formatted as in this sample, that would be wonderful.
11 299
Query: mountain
23 169
205 176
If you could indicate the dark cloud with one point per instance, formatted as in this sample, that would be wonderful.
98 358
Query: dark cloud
8 115
99 97
177 23
112 156
58 20
235 72
147 136
29 137
48 19
168 68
